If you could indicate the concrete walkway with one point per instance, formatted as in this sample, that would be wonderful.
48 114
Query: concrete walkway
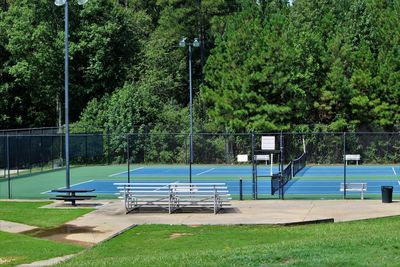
15 228
110 219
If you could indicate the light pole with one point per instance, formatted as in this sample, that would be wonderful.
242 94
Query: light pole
195 43
66 83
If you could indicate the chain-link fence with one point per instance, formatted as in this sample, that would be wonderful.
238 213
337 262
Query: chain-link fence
32 164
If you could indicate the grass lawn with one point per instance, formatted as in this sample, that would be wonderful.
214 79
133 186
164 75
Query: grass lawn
17 249
363 243
30 213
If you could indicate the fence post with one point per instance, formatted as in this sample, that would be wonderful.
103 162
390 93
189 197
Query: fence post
51 155
254 170
8 167
344 166
281 191
108 146
241 189
16 154
41 151
128 158
5 157
86 152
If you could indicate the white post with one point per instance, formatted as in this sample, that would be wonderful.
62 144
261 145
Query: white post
271 163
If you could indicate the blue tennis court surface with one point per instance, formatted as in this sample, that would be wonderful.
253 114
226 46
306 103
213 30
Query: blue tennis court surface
294 187
312 180
246 171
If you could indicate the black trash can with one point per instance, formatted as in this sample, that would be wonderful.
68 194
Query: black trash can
387 194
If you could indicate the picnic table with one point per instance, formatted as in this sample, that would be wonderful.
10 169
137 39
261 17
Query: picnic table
72 195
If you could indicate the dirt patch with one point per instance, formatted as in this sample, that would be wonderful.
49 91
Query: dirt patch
4 260
61 233
177 235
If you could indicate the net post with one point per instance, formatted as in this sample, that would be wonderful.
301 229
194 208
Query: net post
271 161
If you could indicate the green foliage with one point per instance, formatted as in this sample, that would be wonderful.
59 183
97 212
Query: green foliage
262 65
312 63
105 40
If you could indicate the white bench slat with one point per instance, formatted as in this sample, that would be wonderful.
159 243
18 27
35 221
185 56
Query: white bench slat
175 183
354 187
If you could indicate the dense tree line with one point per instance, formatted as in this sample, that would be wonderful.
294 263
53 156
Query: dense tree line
264 65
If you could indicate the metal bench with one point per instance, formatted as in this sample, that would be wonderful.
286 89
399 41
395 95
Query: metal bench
354 157
174 196
354 187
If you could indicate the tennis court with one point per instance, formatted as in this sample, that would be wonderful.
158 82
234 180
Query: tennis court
311 182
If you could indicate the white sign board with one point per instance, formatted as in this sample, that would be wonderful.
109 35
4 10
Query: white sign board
242 158
261 157
267 142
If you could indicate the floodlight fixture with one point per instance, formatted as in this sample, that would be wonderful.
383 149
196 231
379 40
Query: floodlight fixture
82 2
59 2
182 42
196 42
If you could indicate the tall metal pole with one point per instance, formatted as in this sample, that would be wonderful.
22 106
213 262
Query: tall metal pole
281 166
344 166
191 114
67 172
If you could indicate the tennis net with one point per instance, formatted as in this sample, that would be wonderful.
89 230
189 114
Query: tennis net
280 179
287 174
298 164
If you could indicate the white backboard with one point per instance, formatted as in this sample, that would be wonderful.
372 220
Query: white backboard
242 158
267 142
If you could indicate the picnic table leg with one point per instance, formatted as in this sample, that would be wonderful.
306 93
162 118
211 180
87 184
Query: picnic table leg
73 201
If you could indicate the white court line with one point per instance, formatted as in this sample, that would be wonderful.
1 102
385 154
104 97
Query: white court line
48 191
206 171
394 171
115 174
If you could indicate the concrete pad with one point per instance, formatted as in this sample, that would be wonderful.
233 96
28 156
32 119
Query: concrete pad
110 219
48 262
15 228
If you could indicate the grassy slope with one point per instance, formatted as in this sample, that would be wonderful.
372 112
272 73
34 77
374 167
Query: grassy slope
29 213
17 249
364 243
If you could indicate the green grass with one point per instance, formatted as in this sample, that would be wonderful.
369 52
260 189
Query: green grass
30 213
362 243
18 249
